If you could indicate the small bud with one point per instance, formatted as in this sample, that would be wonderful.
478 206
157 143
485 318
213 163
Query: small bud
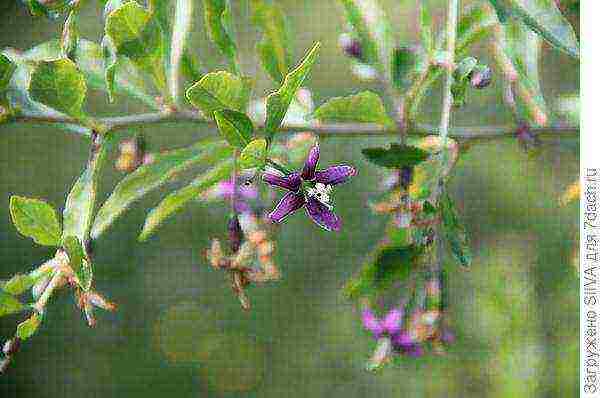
235 234
11 346
406 175
528 141
351 46
480 77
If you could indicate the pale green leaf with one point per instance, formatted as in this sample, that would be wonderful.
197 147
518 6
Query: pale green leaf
19 283
165 167
35 219
454 232
254 154
70 35
9 304
217 20
235 127
178 199
220 90
364 107
279 101
275 48
60 85
184 10
28 327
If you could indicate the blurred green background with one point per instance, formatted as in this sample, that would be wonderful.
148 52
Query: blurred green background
180 332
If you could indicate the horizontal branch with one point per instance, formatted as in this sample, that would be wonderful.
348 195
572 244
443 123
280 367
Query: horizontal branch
321 129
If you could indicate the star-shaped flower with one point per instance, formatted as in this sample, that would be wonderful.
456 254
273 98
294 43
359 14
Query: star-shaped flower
310 189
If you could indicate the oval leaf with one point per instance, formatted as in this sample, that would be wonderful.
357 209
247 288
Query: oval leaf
396 156
28 327
35 219
254 154
60 85
178 199
9 304
235 127
364 107
151 176
220 90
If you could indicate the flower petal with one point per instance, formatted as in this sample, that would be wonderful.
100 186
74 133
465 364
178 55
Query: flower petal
392 321
308 172
335 174
371 323
290 202
322 215
290 182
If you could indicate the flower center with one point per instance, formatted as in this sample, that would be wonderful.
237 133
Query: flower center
320 192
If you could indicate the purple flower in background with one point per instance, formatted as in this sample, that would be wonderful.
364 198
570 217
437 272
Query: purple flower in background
390 324
224 190
405 344
311 189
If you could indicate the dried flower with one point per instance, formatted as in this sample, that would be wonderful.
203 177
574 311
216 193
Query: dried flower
310 189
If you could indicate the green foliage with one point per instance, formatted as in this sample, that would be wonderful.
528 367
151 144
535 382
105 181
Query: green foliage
60 85
454 232
279 101
165 167
28 327
396 156
235 127
217 20
70 35
19 283
7 68
35 219
9 304
254 154
80 203
133 33
220 90
365 107
78 262
275 47
542 17
374 31
176 200
389 265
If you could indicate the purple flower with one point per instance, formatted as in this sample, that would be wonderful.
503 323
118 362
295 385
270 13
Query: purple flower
390 324
405 344
311 189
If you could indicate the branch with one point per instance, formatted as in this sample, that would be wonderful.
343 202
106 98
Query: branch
321 129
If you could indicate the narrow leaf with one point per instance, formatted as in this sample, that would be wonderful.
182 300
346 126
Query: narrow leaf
35 219
70 35
28 327
364 107
454 232
220 90
235 127
396 156
7 68
149 177
60 85
184 10
217 19
279 101
275 48
19 283
178 199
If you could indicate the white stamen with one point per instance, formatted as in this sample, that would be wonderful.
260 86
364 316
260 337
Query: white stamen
321 193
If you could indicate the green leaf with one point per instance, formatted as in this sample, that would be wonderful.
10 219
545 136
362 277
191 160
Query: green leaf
425 27
28 327
19 283
60 85
9 304
374 31
78 261
70 35
388 266
80 203
275 48
178 199
454 232
544 18
182 24
220 90
35 219
254 154
396 156
235 127
406 64
165 167
7 68
137 36
217 19
364 107
279 101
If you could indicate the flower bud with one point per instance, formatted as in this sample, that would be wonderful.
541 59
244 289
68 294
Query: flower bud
480 77
235 234
351 46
